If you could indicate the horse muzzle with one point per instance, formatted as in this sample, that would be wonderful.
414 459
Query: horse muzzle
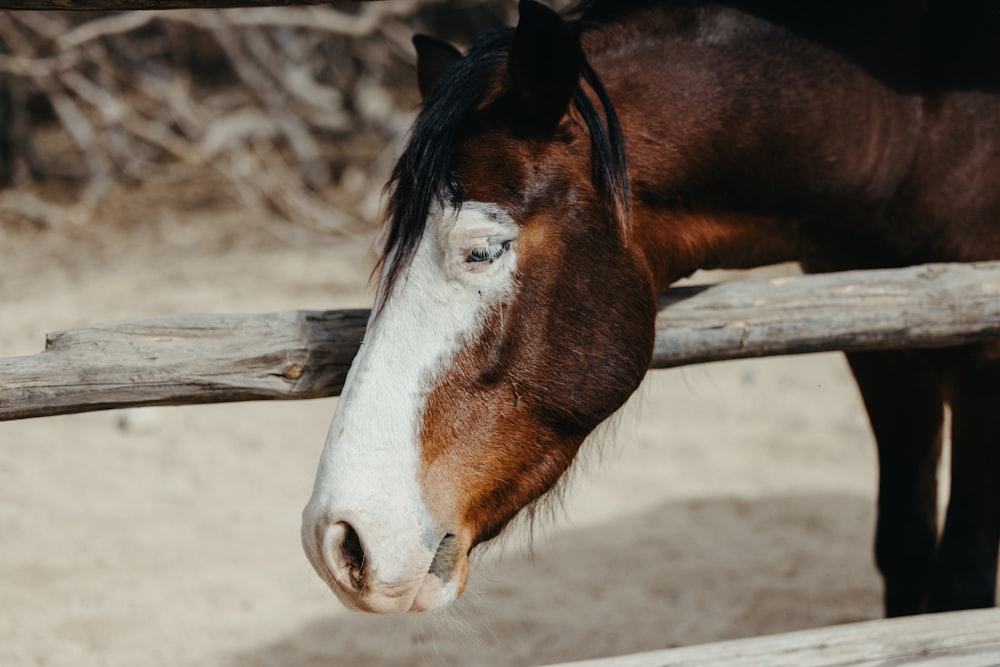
383 578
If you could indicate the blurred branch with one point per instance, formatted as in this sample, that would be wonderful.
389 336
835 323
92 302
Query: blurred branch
301 110
76 123
360 24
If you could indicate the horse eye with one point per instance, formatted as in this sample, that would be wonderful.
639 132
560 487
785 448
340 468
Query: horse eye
480 254
487 253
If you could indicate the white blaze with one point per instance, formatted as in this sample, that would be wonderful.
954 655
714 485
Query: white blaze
369 471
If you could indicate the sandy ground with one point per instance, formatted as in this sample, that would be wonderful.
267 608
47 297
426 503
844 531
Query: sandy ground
731 499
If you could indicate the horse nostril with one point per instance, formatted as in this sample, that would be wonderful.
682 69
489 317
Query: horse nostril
352 556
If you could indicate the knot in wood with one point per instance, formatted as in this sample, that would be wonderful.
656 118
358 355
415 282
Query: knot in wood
294 371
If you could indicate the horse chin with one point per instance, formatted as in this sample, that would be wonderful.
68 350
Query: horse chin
443 581
431 593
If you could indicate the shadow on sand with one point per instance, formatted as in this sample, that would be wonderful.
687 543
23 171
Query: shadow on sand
685 573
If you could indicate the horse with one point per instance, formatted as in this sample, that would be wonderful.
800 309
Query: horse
563 172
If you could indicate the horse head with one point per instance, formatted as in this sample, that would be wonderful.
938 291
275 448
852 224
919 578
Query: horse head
515 313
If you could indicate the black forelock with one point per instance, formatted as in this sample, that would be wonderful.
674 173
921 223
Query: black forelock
424 174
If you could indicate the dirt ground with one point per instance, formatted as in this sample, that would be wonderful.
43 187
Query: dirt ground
729 500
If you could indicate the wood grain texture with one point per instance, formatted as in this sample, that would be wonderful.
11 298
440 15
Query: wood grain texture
955 639
933 305
122 5
186 359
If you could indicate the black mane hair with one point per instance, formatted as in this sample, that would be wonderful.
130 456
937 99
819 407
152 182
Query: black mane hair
424 176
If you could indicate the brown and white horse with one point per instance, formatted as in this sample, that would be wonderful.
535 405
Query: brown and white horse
523 253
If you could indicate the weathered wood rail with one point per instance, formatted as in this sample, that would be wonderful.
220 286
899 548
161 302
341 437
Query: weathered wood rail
956 639
187 359
123 5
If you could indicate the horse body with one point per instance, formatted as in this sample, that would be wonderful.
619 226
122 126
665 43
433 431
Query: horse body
523 254
746 146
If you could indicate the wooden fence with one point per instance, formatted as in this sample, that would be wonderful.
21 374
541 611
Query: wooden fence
300 354
214 358
122 5
185 359
957 639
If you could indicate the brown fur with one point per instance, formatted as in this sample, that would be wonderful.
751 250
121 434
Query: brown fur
754 135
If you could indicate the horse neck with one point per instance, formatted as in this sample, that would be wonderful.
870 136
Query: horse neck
723 143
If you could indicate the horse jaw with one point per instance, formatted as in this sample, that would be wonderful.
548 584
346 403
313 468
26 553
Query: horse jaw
367 529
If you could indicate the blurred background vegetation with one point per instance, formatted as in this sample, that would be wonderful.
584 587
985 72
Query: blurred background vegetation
299 112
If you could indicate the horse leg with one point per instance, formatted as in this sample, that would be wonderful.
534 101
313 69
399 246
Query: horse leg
966 570
905 407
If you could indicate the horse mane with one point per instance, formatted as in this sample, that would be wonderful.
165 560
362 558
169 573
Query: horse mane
424 176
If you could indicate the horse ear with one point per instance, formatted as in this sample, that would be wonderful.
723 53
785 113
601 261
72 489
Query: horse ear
544 62
434 57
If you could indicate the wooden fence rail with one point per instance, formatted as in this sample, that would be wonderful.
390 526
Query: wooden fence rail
122 5
956 639
185 359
